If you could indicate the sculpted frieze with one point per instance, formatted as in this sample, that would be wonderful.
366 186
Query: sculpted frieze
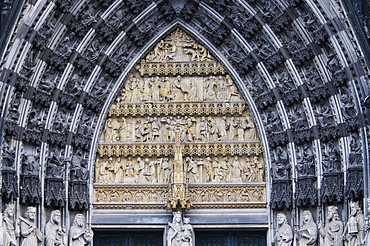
179 134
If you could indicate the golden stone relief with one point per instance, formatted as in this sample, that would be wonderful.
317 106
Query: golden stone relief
179 135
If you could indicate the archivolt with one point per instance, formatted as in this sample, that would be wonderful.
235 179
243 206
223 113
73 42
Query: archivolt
296 63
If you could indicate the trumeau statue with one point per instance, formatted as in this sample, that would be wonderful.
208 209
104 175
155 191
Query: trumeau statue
307 233
31 235
284 233
9 237
80 235
180 234
333 230
355 226
55 235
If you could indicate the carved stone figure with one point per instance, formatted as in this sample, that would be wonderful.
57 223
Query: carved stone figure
179 234
55 235
79 235
189 232
9 237
307 234
333 230
355 226
284 233
29 232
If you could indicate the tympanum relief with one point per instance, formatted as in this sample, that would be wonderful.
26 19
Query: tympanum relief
179 132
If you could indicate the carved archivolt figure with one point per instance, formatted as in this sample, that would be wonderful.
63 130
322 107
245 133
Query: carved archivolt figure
355 226
333 230
30 233
307 234
55 235
284 233
78 233
179 234
9 237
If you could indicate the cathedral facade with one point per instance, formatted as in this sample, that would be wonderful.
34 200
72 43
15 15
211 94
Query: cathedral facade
184 122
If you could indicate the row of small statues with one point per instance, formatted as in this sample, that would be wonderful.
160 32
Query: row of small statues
332 233
162 89
198 170
54 234
153 129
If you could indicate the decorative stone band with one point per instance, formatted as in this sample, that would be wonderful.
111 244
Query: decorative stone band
192 149
177 108
181 68
201 196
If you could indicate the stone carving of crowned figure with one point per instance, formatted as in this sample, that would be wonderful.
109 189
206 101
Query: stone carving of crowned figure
80 235
284 233
30 233
355 226
9 234
179 234
333 230
54 233
307 234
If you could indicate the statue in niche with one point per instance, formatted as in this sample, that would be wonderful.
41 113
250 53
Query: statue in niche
55 235
192 169
307 233
55 167
80 235
355 226
284 233
355 156
331 160
8 159
9 236
179 234
333 230
30 233
306 164
30 164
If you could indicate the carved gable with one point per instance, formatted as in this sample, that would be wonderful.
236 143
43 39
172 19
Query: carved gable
179 134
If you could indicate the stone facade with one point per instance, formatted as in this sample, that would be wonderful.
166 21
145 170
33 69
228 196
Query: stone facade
82 110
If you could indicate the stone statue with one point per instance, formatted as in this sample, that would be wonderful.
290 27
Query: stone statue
179 234
355 226
78 233
55 235
30 233
9 237
333 230
189 232
307 234
284 233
